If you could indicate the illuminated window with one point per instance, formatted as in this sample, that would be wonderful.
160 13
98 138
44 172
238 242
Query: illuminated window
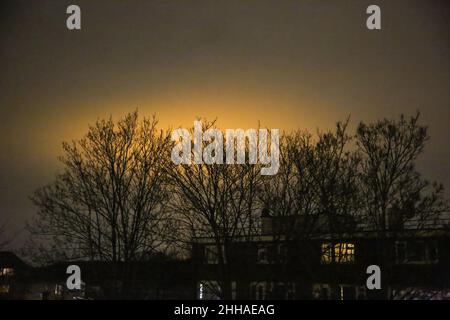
344 252
341 252
6 271
327 253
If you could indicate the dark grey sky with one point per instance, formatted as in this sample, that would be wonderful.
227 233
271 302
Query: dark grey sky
290 64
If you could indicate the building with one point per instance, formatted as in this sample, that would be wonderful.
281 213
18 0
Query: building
290 258
295 258
14 275
155 278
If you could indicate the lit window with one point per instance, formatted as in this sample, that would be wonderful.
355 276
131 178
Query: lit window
327 253
342 252
6 271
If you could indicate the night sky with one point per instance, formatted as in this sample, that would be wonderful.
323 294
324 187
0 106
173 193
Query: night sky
288 64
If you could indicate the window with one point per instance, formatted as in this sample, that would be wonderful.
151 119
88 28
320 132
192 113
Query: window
282 253
233 290
321 291
212 256
262 255
361 293
4 288
341 252
351 292
327 253
347 292
344 252
58 290
258 290
272 290
416 251
6 271
400 251
272 253
290 291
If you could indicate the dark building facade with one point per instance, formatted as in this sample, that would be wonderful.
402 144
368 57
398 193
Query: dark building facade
284 261
14 275
414 263
155 278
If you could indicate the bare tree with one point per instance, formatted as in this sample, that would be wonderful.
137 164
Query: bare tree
394 193
315 192
109 203
218 202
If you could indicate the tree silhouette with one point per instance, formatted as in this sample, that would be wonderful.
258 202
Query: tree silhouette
109 202
393 191
217 201
315 192
120 197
